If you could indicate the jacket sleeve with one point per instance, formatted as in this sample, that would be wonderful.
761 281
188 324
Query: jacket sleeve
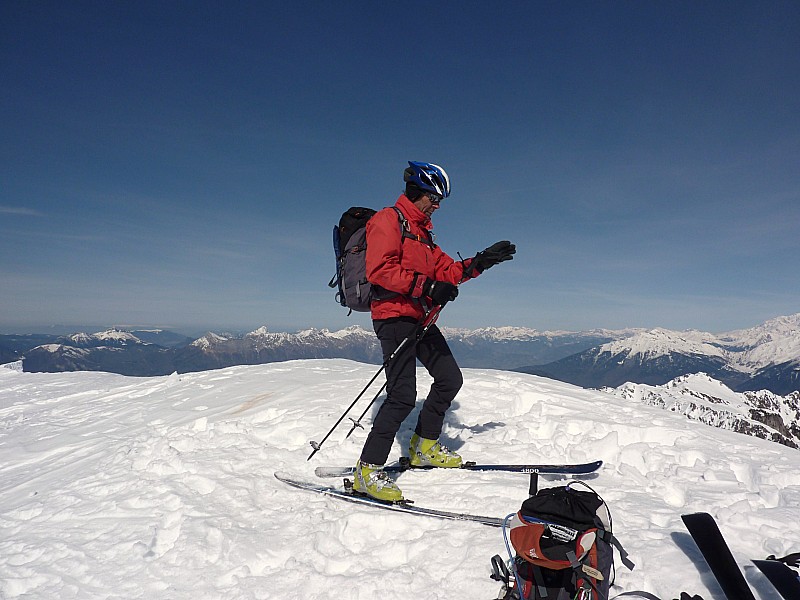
384 248
450 270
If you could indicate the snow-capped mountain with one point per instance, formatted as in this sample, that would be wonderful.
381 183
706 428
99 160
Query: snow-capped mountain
774 342
209 340
127 359
113 338
763 357
496 347
114 350
500 347
513 347
701 398
262 346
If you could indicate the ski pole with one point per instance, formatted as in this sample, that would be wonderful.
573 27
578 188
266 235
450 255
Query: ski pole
317 445
429 321
357 423
426 324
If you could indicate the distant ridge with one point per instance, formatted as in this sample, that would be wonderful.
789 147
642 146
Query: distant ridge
762 357
498 348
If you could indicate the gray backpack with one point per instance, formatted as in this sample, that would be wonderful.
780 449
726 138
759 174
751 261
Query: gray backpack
350 246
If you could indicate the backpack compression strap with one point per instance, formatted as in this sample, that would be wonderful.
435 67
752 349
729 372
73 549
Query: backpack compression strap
611 539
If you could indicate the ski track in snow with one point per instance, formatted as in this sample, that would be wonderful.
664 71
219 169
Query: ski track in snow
119 487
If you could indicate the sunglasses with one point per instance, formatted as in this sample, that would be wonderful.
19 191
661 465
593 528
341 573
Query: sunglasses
435 200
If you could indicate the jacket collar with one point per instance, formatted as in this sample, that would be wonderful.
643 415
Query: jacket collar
412 213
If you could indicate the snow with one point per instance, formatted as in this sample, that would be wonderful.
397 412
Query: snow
261 331
208 340
651 344
354 331
121 487
51 347
524 334
773 342
699 388
81 338
701 397
116 335
507 333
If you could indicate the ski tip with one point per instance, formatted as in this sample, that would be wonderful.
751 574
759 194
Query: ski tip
281 476
699 517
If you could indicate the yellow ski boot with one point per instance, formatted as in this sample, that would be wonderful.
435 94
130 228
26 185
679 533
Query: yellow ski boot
424 453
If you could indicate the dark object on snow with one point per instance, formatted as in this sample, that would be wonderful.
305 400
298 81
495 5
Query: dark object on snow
563 543
784 579
712 545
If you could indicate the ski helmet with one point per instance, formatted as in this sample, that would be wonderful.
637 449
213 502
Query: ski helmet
427 177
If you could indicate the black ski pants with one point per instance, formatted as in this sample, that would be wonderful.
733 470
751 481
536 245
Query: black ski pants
401 387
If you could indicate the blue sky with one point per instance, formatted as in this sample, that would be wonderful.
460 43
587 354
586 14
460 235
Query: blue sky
181 164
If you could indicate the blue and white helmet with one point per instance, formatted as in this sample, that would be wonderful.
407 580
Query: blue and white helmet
428 178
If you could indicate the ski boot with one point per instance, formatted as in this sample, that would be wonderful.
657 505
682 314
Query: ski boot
372 481
424 452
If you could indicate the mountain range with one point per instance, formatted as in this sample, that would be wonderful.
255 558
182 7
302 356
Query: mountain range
147 353
763 357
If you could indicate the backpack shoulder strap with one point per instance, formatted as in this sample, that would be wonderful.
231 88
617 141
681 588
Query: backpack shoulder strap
428 240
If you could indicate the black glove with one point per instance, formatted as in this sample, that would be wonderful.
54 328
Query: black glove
441 292
496 253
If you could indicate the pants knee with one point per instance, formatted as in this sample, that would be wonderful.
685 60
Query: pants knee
449 385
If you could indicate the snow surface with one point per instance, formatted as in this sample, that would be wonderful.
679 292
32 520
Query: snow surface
121 487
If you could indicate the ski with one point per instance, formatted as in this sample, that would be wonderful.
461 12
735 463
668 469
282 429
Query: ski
717 554
405 506
542 469
782 578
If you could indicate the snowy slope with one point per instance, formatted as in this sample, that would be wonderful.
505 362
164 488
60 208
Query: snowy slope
703 398
118 487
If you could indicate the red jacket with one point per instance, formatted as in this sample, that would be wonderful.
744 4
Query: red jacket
402 265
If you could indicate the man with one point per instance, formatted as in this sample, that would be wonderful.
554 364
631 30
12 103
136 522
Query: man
410 275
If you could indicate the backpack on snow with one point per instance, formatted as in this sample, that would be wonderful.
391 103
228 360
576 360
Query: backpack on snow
350 247
564 547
